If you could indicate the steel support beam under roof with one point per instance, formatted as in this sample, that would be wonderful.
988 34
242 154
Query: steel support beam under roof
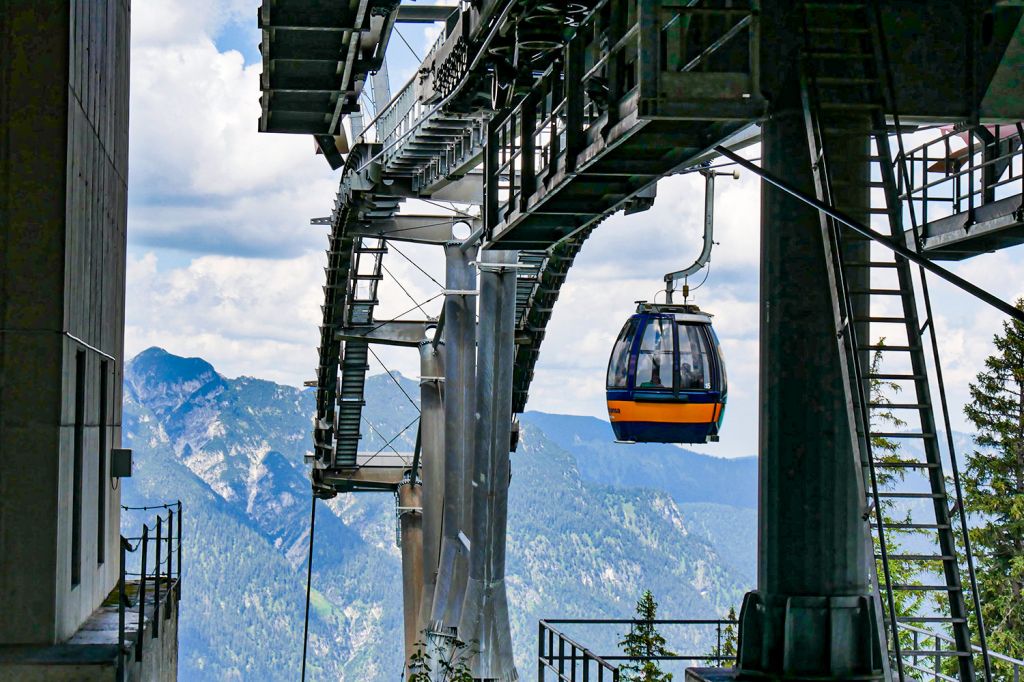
424 14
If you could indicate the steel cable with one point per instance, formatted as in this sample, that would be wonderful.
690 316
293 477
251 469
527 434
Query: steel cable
309 582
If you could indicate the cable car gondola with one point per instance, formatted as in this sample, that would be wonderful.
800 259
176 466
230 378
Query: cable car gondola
666 377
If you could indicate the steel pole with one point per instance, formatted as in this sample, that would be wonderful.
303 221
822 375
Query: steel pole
485 620
432 469
410 515
460 376
813 614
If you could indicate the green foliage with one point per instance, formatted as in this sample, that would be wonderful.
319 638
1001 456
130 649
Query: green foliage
888 451
452 666
722 654
232 450
993 486
644 641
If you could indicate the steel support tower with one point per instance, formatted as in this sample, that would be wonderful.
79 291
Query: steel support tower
549 117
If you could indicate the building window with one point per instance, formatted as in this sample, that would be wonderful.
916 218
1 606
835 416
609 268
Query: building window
76 480
101 462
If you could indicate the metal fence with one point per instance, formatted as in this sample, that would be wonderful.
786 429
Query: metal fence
158 575
570 661
930 667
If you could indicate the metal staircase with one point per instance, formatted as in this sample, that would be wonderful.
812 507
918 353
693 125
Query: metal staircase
846 94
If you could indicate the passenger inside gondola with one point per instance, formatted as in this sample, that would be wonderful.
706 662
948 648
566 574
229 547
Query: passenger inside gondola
666 377
693 360
655 352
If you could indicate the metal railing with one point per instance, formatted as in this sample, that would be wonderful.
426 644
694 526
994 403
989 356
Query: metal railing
964 169
654 57
929 666
162 576
567 659
570 661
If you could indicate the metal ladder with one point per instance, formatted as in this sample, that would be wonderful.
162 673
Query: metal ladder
844 84
353 363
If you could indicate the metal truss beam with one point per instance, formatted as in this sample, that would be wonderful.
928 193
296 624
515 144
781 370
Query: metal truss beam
409 333
420 229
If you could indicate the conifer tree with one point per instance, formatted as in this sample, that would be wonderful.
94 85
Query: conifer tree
888 451
642 642
724 653
729 636
994 490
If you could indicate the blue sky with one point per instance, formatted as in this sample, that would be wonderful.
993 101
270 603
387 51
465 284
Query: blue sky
223 263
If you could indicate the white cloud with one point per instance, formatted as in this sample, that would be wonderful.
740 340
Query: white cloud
242 284
169 22
244 315
202 179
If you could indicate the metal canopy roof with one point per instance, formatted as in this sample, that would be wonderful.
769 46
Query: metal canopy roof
316 56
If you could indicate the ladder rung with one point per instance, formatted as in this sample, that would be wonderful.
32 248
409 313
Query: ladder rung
836 30
834 5
874 184
897 377
911 496
924 588
851 106
837 55
876 292
929 619
833 80
897 434
883 347
878 211
870 264
883 320
915 526
918 557
948 653
905 465
900 406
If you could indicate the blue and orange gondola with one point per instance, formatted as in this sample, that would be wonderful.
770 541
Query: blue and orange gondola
666 378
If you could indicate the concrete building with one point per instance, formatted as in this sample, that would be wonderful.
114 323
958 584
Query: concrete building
63 213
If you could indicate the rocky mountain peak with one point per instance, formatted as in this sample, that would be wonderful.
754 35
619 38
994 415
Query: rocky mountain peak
163 382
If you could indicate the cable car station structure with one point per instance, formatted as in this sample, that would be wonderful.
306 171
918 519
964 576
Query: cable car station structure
891 141
549 117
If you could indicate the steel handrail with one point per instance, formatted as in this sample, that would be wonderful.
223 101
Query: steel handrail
967 170
586 655
547 657
169 578
949 640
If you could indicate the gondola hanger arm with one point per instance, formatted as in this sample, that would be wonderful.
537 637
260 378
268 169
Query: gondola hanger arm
709 231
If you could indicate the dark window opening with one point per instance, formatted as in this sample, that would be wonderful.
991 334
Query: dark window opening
694 359
618 367
101 474
654 363
76 479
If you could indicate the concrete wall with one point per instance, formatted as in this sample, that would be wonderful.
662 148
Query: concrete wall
63 214
98 663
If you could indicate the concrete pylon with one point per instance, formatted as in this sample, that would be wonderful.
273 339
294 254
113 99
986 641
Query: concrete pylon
432 469
459 401
485 624
410 519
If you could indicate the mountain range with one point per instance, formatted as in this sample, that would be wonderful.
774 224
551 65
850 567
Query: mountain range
591 525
